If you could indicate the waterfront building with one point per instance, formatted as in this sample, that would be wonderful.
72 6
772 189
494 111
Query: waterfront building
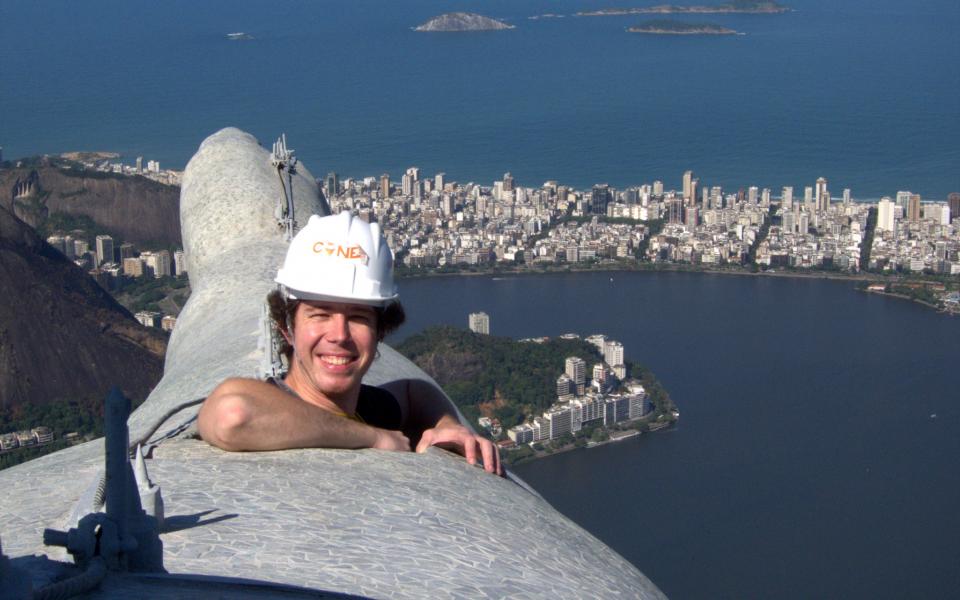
616 410
688 185
953 203
541 430
913 208
822 196
521 434
559 420
903 199
104 249
786 197
384 186
479 322
507 182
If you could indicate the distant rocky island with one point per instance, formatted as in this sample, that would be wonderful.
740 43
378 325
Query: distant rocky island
736 6
668 27
461 21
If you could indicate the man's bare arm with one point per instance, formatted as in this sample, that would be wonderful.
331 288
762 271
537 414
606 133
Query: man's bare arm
248 414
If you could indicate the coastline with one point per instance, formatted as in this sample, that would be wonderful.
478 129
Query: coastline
615 437
665 267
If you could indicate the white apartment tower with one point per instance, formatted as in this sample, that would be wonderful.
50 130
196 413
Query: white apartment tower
576 369
479 322
885 215
613 353
104 249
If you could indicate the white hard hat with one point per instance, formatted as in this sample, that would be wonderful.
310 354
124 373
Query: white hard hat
339 258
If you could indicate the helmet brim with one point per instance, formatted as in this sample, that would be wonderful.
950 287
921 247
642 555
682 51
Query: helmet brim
309 296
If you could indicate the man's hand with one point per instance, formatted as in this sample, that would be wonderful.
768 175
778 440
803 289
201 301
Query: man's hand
388 439
456 437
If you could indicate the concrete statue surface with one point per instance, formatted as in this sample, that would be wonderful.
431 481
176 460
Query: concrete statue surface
296 523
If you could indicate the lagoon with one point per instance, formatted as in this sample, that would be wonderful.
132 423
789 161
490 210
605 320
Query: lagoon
807 461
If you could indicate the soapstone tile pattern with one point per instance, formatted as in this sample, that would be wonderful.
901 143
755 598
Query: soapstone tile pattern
329 522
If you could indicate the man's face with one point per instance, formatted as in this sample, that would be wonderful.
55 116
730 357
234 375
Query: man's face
334 344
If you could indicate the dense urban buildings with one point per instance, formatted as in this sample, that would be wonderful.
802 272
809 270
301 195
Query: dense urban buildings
435 222
609 399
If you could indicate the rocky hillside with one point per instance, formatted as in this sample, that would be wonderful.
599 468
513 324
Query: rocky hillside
461 21
62 337
137 209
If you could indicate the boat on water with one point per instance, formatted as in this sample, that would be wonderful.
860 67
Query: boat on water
239 35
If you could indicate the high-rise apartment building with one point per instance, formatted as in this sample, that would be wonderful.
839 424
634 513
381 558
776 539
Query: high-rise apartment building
565 387
885 215
903 199
599 199
331 185
156 263
385 186
479 322
613 353
576 369
104 249
822 195
180 262
507 182
688 185
406 184
913 208
953 202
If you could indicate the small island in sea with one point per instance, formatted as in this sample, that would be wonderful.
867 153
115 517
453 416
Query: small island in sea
669 27
461 21
734 6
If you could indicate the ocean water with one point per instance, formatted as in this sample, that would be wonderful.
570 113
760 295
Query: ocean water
865 92
816 453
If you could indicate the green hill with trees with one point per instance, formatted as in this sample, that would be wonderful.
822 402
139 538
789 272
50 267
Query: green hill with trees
504 378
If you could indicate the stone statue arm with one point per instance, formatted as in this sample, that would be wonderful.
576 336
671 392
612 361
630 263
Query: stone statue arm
250 415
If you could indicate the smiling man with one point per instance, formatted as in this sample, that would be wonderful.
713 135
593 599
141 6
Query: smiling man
336 302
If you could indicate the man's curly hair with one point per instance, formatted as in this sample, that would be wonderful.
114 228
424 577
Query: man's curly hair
283 309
